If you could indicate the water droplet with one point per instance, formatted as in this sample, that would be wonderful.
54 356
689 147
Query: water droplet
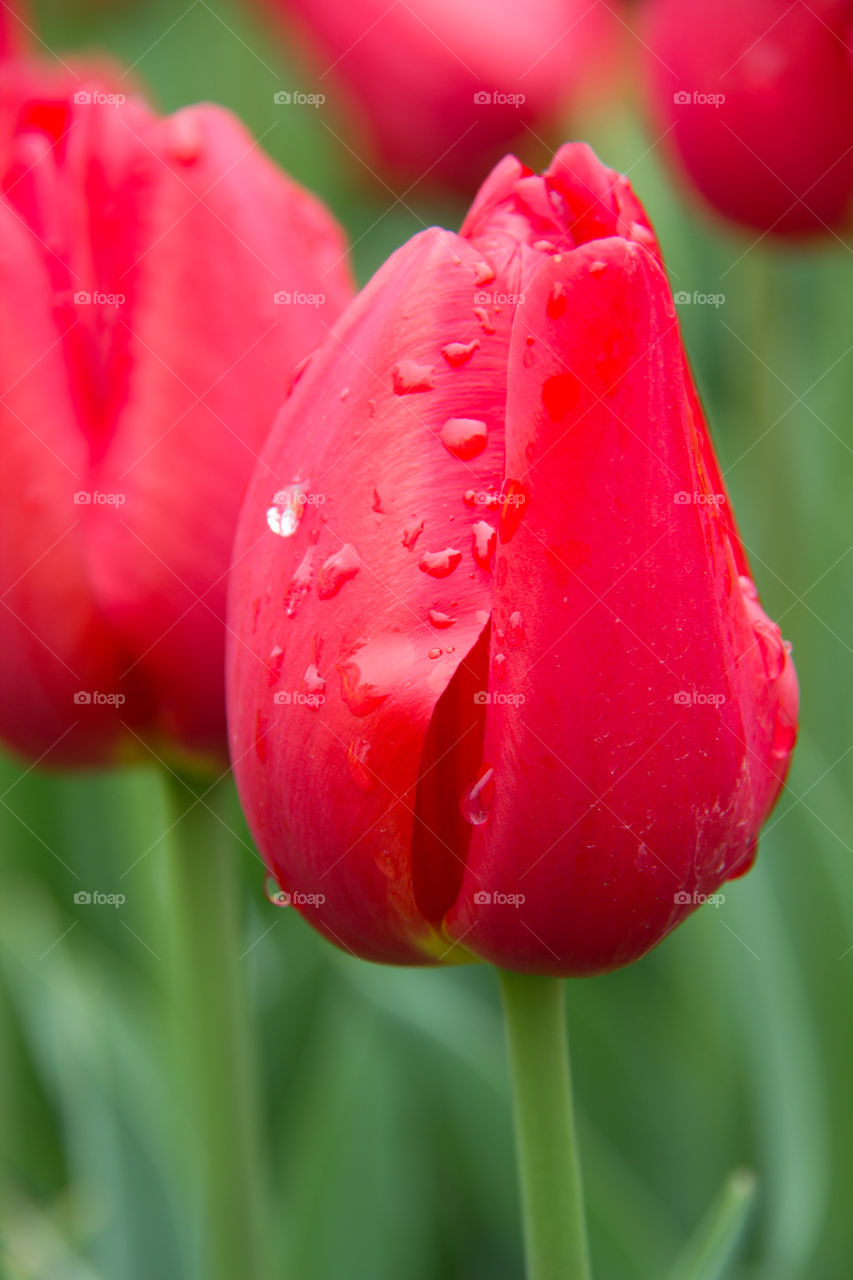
484 540
275 894
337 570
610 364
515 495
408 377
184 137
360 695
484 273
642 234
345 393
784 734
457 353
377 503
499 665
439 564
544 246
274 662
748 587
440 620
411 533
296 373
476 803
314 685
560 394
286 510
464 437
300 583
597 268
483 316
358 753
528 358
557 300
515 629
434 653
770 643
371 408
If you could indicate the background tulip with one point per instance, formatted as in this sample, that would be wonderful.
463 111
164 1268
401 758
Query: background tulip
757 102
503 688
438 91
142 356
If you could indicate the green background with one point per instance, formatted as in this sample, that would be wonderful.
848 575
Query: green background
385 1106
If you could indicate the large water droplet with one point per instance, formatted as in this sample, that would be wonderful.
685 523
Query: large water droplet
483 316
337 570
274 662
434 653
464 437
408 377
748 587
411 533
286 510
275 894
457 353
358 761
314 686
440 620
515 629
300 583
769 640
476 803
784 734
184 137
439 564
484 539
484 273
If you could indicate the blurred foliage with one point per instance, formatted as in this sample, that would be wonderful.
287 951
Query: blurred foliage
385 1092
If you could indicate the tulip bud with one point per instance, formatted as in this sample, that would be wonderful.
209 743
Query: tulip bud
432 90
757 104
500 685
160 278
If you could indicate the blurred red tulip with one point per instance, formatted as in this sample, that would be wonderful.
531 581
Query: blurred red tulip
142 359
497 673
758 99
438 89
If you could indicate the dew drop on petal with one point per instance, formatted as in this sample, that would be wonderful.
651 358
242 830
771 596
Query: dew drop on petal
499 665
440 620
476 803
515 495
275 894
358 756
483 316
769 640
439 564
458 353
484 539
784 734
597 268
337 570
286 510
434 653
484 273
408 377
411 533
464 437
515 629
313 684
274 663
557 300
560 393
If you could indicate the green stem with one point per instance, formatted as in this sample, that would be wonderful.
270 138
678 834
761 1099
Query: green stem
549 1169
718 1235
217 1097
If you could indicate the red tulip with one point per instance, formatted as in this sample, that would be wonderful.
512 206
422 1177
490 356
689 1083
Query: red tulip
435 90
142 358
758 99
504 688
